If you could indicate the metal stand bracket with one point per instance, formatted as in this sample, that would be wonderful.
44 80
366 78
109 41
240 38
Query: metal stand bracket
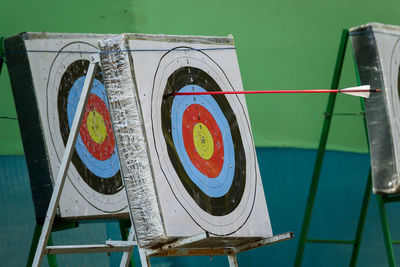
184 247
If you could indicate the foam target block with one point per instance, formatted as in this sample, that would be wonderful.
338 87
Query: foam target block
47 74
188 162
377 52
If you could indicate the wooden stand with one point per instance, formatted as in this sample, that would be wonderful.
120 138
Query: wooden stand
42 248
303 239
200 245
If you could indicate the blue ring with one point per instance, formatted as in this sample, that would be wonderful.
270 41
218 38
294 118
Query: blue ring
213 187
102 168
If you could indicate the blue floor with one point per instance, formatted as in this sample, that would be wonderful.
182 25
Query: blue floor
286 176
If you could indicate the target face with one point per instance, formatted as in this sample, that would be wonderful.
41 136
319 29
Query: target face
192 161
203 139
95 154
95 171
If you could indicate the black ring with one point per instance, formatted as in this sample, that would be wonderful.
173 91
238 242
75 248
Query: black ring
219 206
75 70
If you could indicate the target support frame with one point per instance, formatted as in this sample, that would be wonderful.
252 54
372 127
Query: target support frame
42 248
186 247
381 199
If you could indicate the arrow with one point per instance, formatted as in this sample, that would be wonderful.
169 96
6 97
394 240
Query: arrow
362 91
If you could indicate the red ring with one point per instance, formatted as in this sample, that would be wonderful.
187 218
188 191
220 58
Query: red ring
104 150
198 114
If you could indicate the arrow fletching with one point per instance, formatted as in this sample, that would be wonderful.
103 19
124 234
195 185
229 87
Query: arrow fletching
361 91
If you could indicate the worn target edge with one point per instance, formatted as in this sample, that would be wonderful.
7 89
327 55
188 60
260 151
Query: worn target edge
380 135
30 125
394 101
388 45
132 146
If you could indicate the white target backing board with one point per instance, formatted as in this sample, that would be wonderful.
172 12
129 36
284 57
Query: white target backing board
47 73
377 52
188 162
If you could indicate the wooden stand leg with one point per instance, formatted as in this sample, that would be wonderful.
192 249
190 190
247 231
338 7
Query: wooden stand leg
51 258
62 174
386 232
361 221
126 257
144 260
35 240
233 261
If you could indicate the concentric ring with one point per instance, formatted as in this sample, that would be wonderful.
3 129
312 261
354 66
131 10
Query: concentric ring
83 188
180 67
100 159
221 195
96 131
203 140
211 187
101 175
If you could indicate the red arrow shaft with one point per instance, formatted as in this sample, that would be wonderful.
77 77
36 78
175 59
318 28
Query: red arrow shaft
275 92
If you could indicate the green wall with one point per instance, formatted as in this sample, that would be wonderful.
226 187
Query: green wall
280 44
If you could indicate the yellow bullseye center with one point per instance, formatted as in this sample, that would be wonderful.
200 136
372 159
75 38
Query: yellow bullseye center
96 127
203 141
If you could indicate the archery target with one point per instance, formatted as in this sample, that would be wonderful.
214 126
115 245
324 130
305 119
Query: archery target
95 171
48 71
377 50
191 167
203 144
